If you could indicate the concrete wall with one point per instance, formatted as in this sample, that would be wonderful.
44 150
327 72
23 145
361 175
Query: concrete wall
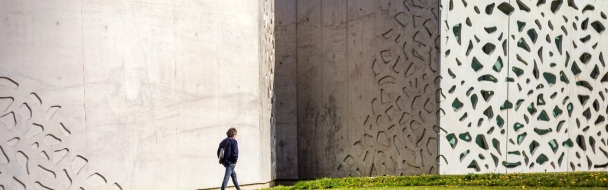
133 94
285 87
367 74
524 86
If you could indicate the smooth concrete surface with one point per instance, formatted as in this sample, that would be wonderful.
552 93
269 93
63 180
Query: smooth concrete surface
133 94
367 74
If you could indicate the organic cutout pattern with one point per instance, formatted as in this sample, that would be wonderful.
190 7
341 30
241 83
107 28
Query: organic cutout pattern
33 143
399 136
545 79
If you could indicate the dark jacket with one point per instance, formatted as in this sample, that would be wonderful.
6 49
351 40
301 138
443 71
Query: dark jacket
231 153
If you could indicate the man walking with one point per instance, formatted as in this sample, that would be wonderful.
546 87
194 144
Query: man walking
231 155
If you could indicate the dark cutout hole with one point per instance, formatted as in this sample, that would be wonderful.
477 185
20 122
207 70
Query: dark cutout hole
543 116
521 138
575 69
563 78
474 165
598 26
498 65
480 140
490 30
496 145
585 24
557 112
465 137
474 101
540 100
452 140
464 154
558 43
542 131
595 73
499 121
580 141
535 71
587 114
456 30
585 39
568 143
517 126
560 159
510 164
554 146
489 113
488 48
540 54
523 45
505 8
469 91
457 105
542 159
522 6
487 95
488 78
584 84
504 47
506 105
585 58
518 104
555 5
469 48
490 8
583 99
531 109
550 78
518 72
538 24
571 4
540 2
592 144
520 25
600 119
451 73
476 65
533 146
451 5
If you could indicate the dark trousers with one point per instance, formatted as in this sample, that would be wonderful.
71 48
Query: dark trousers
230 173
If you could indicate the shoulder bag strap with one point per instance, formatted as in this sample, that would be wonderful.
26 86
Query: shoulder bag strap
227 141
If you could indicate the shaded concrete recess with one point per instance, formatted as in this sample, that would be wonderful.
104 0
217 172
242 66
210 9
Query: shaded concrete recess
366 74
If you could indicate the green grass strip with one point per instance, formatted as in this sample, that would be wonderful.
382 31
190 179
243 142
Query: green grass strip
568 179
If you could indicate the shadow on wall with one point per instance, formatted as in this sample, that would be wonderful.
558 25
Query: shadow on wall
367 80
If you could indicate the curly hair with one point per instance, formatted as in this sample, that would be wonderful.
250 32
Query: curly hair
231 132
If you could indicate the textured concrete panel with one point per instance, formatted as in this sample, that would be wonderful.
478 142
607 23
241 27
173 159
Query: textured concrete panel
524 86
133 94
285 90
367 78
